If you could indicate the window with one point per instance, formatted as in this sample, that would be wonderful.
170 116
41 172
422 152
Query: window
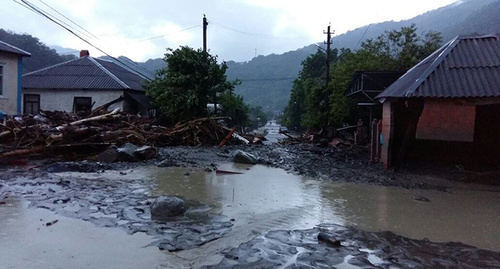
1 80
82 104
31 104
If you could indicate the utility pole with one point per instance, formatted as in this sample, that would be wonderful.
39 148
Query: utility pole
328 42
205 24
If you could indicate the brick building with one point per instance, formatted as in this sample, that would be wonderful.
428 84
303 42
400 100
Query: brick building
447 107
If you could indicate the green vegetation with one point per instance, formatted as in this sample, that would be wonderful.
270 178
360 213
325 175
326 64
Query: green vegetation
42 55
192 80
312 105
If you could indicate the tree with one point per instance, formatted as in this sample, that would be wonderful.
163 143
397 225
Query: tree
192 79
312 105
258 117
41 55
308 98
234 107
391 51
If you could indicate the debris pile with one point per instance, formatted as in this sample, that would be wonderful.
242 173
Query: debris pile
61 133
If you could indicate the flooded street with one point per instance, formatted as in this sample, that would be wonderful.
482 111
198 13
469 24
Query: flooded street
259 200
26 241
272 128
264 198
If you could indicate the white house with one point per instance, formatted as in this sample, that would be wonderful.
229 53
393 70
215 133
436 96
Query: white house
84 84
11 66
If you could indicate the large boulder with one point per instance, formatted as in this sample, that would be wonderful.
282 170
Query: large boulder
126 153
244 157
165 207
108 156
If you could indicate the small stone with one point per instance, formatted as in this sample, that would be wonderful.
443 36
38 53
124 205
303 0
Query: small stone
421 198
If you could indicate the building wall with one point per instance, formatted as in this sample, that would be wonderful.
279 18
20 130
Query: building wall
387 132
62 100
447 121
8 99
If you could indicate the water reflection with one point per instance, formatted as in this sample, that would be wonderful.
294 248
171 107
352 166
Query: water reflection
266 199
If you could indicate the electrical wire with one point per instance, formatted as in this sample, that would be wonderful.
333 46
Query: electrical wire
259 34
69 19
366 30
33 7
159 36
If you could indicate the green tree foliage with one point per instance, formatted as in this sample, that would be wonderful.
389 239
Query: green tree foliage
41 55
192 80
308 99
257 117
234 107
312 105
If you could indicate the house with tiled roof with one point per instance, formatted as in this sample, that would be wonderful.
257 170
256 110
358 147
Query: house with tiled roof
11 66
84 84
447 107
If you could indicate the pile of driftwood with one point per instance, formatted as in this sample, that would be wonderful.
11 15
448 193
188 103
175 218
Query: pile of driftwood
67 133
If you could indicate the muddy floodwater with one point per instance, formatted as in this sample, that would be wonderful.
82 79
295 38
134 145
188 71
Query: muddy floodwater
264 199
259 200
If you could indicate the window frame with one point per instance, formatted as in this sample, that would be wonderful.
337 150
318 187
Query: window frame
2 72
26 102
80 98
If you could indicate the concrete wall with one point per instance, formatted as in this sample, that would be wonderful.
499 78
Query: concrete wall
447 121
62 100
8 99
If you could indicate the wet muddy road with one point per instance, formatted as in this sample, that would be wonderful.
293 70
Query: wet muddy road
234 209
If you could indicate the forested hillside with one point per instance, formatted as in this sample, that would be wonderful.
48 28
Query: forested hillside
41 55
267 80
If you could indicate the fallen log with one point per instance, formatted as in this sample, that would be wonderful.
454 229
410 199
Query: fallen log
91 119
21 152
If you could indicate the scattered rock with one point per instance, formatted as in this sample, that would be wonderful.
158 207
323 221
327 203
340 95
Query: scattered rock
168 163
243 157
108 156
165 207
421 198
83 167
145 153
126 152
50 223
329 239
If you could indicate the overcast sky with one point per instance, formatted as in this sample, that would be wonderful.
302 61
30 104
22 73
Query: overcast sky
238 29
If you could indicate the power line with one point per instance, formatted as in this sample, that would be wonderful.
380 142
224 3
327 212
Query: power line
261 35
159 36
266 79
69 19
33 8
366 30
41 12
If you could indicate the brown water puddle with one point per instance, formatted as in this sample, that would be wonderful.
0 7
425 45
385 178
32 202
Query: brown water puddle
26 241
266 198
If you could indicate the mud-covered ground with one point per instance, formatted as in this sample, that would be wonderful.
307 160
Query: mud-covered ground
124 203
325 163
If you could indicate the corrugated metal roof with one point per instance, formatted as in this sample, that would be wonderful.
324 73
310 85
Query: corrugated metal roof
464 67
83 73
6 47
